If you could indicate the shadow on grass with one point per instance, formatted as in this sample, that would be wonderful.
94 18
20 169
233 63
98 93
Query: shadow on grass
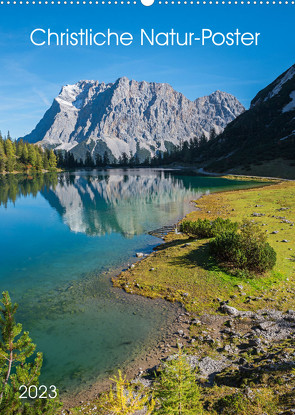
175 242
199 257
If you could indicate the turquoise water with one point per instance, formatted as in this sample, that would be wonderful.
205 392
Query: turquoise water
63 236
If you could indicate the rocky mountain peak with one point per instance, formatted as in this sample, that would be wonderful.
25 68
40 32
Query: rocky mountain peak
129 116
283 82
262 136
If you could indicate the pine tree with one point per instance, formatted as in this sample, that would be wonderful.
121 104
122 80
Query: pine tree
16 348
176 389
131 162
125 159
71 161
19 148
203 140
52 160
32 155
136 160
60 158
123 400
39 161
195 146
46 159
98 160
147 161
186 153
213 134
2 157
106 159
10 154
25 155
88 160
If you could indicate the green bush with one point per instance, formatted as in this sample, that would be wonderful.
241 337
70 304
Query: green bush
204 228
220 226
200 228
246 250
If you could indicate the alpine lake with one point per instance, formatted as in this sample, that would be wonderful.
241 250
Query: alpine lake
63 236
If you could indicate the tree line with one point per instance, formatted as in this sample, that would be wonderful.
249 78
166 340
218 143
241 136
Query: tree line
186 152
17 156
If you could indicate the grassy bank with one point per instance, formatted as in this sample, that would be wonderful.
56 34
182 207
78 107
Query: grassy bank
250 353
182 270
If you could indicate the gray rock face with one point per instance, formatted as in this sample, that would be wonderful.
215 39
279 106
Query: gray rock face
129 116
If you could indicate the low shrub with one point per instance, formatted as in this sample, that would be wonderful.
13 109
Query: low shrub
220 226
204 228
200 228
246 249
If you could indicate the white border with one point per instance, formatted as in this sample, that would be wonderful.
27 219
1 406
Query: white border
160 2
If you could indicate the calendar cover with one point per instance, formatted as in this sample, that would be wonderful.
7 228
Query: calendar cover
147 207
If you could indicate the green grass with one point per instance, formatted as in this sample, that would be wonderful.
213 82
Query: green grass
188 274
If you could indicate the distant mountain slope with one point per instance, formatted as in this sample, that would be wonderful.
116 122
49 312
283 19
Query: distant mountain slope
129 116
264 133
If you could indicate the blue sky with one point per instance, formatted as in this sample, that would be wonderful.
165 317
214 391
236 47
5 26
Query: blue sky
31 76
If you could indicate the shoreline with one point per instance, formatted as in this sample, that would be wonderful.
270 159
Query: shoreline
144 362
208 215
210 320
168 343
31 173
268 300
197 171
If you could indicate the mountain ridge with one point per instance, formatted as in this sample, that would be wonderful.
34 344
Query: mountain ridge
128 116
260 135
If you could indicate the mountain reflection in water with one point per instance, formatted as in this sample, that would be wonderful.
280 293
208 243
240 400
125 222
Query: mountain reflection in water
116 202
63 236
103 202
